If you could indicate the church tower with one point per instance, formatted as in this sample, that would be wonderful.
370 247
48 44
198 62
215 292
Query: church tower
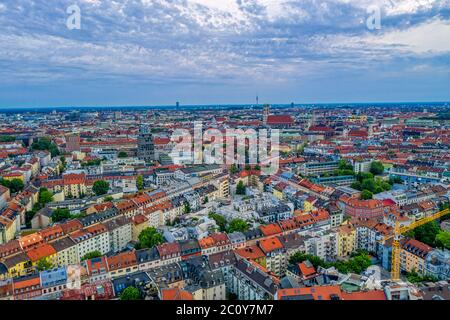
266 113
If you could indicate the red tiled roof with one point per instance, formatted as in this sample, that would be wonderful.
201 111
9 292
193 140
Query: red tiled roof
270 244
40 252
175 294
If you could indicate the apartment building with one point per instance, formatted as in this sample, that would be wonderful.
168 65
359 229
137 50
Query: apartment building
120 233
248 282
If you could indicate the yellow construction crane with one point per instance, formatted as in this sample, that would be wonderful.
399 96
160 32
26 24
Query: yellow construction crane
398 231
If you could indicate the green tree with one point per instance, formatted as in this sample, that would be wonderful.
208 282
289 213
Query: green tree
442 239
7 138
414 277
376 168
395 180
366 195
122 154
60 214
44 264
100 187
130 293
45 196
91 255
108 199
237 225
14 185
240 188
220 221
364 175
344 165
150 237
140 182
426 233
45 143
233 169
187 208
356 185
368 184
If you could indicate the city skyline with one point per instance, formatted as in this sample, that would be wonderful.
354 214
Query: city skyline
209 52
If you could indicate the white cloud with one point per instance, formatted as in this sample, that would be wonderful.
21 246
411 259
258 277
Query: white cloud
432 37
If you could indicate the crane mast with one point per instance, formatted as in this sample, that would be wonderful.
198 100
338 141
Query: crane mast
398 231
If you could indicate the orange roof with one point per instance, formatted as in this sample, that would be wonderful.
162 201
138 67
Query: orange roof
320 215
30 240
364 295
306 268
270 244
250 252
55 231
21 284
40 252
270 229
121 260
71 226
139 219
206 242
175 294
316 293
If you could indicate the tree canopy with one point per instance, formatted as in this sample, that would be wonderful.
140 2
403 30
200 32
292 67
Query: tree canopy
60 214
376 168
91 255
150 237
358 262
130 293
140 182
431 234
366 195
220 221
45 196
7 138
100 187
186 208
122 154
237 225
44 264
240 188
14 185
233 169
45 143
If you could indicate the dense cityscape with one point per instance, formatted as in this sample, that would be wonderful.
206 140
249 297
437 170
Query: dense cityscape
96 205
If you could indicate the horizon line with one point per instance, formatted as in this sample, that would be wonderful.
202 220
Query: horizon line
222 105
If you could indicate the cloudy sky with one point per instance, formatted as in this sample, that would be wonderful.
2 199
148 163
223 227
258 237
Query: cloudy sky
157 52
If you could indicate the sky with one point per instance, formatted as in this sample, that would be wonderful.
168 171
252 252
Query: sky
157 52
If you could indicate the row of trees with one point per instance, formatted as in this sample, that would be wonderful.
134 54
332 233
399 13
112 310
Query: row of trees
370 185
358 262
14 185
414 277
7 138
431 234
